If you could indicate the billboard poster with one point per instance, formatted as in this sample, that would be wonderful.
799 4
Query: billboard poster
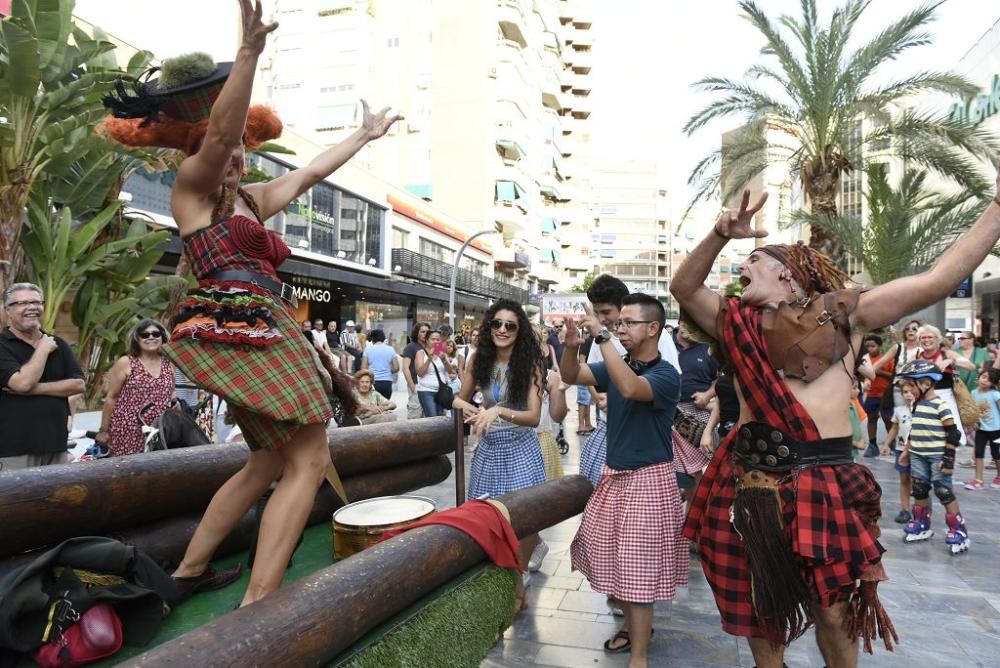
556 306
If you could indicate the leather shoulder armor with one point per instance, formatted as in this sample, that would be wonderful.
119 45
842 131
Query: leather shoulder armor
804 342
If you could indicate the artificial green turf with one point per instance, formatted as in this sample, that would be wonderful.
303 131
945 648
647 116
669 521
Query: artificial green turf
450 629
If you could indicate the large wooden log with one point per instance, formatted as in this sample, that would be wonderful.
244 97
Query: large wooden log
166 540
45 505
310 622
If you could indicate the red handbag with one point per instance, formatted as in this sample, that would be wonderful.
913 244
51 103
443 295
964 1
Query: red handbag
96 635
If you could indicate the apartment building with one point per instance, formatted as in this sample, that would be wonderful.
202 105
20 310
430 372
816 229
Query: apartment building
496 97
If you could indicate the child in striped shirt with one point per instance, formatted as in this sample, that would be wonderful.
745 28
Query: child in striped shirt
933 439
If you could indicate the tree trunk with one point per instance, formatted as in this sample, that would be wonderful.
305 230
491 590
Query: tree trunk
822 192
13 200
178 293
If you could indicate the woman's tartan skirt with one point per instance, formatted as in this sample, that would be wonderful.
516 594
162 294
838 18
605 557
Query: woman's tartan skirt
629 544
688 458
830 513
550 455
273 390
506 460
594 453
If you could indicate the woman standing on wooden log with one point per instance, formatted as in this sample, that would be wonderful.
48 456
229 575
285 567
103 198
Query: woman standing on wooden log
509 368
233 335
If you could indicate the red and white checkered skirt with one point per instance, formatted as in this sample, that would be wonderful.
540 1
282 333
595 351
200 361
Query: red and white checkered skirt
688 458
629 544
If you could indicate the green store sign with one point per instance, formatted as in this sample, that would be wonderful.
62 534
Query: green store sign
979 108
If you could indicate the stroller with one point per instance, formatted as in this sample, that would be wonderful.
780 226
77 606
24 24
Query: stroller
176 428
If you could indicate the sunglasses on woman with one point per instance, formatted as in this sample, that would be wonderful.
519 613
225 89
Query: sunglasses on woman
507 325
149 335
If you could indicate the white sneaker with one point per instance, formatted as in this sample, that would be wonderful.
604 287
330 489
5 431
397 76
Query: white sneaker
538 556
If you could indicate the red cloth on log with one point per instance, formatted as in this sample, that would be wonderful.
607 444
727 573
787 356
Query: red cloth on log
484 523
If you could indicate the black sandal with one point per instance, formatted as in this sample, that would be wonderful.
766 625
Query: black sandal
622 634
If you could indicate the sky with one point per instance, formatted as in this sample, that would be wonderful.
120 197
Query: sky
646 55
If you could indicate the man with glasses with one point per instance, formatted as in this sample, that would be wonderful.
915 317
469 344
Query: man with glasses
38 374
606 294
629 543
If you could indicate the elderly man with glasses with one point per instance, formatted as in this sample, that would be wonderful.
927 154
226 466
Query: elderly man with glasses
38 374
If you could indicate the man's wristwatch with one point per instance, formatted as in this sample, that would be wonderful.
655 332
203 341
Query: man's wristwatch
602 336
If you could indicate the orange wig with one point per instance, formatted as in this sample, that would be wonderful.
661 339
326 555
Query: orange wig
166 132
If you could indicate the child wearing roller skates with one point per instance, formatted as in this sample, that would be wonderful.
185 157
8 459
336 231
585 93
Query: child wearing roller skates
933 439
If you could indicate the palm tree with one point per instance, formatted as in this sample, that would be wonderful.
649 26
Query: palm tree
815 90
52 78
909 226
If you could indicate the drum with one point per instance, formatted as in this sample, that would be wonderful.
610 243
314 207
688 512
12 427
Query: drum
361 524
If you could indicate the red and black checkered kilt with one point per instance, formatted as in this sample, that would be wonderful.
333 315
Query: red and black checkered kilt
688 458
629 544
830 513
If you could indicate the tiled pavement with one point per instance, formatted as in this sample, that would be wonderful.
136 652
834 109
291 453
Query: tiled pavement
946 608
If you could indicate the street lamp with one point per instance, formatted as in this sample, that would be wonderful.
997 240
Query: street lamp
454 276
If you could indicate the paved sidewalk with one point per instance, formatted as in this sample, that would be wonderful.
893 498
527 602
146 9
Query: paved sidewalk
946 608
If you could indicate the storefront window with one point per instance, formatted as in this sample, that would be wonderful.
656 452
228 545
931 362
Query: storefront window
390 318
329 221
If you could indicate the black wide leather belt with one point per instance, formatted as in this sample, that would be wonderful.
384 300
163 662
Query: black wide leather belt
275 287
761 446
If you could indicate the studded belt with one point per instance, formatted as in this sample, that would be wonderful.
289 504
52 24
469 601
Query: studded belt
761 446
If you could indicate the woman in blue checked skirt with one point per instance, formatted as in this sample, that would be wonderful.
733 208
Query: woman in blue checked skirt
509 368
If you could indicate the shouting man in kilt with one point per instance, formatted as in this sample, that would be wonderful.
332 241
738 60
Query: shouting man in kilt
629 544
786 523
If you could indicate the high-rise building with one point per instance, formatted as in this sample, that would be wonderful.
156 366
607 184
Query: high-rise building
632 238
496 97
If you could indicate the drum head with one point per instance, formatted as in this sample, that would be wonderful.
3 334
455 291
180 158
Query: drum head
384 510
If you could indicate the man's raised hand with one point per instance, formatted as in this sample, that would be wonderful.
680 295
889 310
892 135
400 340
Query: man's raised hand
573 338
738 223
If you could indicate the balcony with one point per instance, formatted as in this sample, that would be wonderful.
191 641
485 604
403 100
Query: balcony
511 139
509 217
581 84
511 16
583 37
510 257
581 61
567 78
419 267
581 107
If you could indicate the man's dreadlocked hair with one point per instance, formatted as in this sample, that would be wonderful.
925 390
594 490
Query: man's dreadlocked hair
813 271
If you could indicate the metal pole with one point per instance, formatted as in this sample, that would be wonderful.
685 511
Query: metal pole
454 276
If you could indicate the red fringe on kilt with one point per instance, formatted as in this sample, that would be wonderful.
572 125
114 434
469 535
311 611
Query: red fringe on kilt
629 544
830 513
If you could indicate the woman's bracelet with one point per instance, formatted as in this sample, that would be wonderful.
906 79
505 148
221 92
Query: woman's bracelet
724 236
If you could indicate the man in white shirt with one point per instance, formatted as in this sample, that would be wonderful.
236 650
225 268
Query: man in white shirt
352 344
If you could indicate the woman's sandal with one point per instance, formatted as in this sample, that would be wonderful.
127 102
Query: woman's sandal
622 634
